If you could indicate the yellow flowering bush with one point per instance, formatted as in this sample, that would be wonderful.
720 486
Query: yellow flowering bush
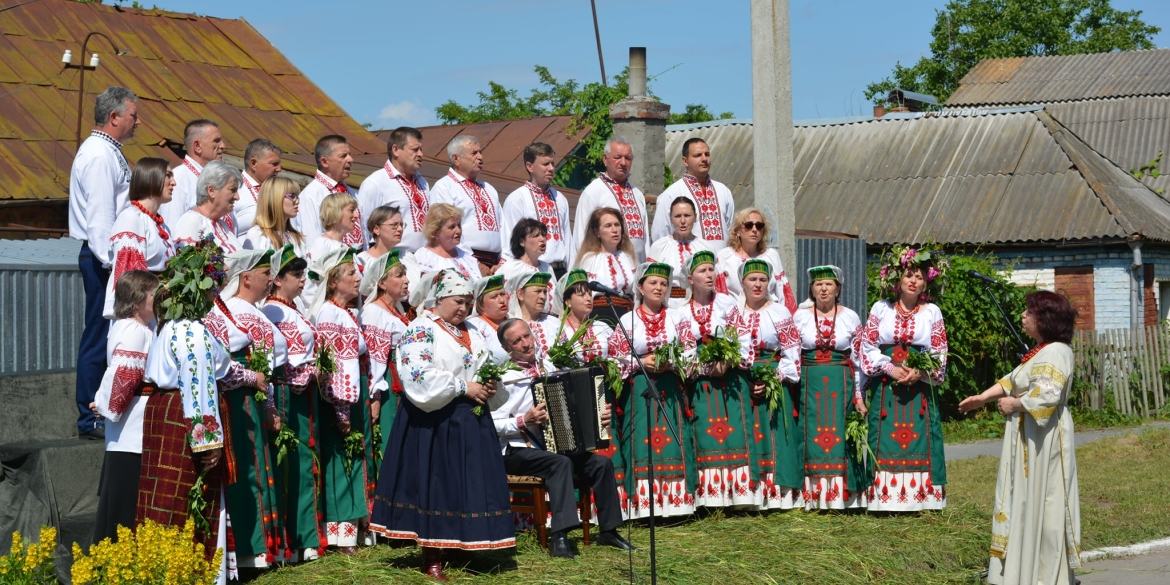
155 555
31 564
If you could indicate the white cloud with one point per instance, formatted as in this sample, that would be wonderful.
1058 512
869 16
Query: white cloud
405 112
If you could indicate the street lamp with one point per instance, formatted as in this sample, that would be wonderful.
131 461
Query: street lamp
67 59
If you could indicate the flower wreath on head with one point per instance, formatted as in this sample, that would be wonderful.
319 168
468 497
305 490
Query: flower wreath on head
895 261
190 282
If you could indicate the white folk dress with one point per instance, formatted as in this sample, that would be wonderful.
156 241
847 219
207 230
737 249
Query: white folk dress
594 343
489 332
194 226
382 330
727 263
137 243
318 249
544 331
463 262
1036 527
821 490
627 199
409 194
917 430
300 338
480 205
308 219
549 207
771 334
254 239
261 332
714 210
678 255
126 350
613 270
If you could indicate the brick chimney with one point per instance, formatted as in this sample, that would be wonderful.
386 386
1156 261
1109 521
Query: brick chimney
642 120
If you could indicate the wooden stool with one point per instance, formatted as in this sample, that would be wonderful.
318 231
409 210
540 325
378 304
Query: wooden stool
528 495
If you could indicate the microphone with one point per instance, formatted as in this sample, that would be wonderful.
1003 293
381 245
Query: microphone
605 290
983 277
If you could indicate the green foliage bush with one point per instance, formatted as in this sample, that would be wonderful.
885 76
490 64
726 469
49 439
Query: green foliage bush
982 349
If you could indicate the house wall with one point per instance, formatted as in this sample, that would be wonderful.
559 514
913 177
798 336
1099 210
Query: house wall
1056 269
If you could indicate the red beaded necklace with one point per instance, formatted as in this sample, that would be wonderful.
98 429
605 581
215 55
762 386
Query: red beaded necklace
702 317
158 219
1032 352
277 299
345 310
391 310
655 324
824 341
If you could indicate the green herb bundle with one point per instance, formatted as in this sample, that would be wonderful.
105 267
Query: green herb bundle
196 503
564 355
671 354
355 448
613 374
490 373
723 347
326 365
857 435
260 361
774 390
376 437
923 361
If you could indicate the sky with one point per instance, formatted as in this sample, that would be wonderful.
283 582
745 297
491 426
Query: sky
390 63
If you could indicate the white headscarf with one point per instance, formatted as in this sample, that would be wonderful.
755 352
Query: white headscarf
512 286
319 271
638 275
479 286
375 270
809 302
239 262
444 283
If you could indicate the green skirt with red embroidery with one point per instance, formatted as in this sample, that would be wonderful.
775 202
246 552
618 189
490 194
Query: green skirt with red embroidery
723 433
297 475
826 398
776 446
344 493
253 502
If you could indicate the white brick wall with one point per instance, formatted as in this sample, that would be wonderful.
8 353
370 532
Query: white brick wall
1111 294
1041 278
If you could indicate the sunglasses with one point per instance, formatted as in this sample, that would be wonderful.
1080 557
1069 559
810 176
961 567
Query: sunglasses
293 196
753 225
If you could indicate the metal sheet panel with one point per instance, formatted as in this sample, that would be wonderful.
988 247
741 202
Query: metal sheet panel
42 305
846 254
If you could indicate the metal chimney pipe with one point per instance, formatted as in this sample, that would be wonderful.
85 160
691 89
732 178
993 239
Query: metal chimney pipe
637 71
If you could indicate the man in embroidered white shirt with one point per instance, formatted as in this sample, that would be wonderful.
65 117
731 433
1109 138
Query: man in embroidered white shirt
714 205
477 199
539 200
261 162
204 143
99 187
333 167
613 189
400 184
518 423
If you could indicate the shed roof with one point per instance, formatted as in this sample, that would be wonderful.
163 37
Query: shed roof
181 67
1059 78
1000 176
46 254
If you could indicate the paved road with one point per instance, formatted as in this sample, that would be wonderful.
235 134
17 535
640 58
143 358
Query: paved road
1152 568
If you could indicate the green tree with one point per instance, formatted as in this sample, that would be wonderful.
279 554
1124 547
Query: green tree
697 113
968 31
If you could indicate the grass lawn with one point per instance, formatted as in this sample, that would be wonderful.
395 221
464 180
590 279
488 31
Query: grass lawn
1123 485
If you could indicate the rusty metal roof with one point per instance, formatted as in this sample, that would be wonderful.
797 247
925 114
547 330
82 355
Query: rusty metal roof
997 177
1059 78
180 66
503 141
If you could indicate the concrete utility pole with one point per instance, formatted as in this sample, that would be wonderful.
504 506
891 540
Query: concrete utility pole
642 120
772 125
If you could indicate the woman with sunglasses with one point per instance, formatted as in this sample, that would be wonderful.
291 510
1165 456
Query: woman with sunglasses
279 202
749 236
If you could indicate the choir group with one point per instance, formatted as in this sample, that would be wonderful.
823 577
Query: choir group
304 368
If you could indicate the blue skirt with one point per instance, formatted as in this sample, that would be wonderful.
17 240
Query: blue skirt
442 481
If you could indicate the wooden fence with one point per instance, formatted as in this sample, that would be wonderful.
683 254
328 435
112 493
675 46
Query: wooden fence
1123 367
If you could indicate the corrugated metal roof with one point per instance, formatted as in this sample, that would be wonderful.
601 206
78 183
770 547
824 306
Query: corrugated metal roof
180 66
1059 78
960 177
58 254
732 153
1127 131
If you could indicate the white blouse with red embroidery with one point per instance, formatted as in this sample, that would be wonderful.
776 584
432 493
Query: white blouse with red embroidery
300 337
382 330
194 226
768 331
727 263
136 244
648 332
923 328
613 270
834 334
678 255
261 333
544 331
126 349
338 330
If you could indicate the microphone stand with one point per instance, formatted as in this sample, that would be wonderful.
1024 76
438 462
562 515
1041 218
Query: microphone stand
652 398
1023 349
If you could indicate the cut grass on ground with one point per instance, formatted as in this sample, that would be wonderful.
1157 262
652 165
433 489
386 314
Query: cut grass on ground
1122 484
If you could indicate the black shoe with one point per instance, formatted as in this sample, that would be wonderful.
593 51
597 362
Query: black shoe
558 546
97 434
612 538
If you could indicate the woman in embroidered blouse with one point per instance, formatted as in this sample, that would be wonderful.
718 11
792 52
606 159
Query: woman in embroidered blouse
385 227
769 338
140 240
442 482
651 326
347 404
339 215
833 477
1036 529
491 308
528 242
121 403
277 206
216 194
384 286
905 433
296 404
749 237
677 249
576 305
608 256
721 405
444 231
